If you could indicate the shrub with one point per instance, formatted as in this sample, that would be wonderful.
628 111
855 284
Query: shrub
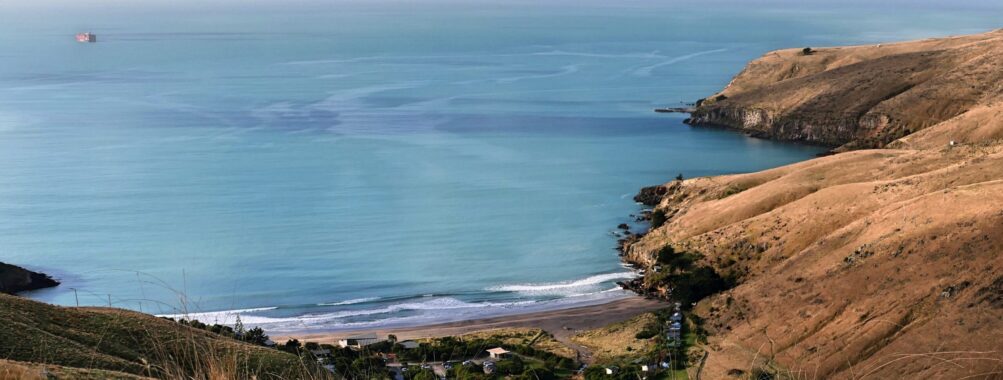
692 286
645 334
658 218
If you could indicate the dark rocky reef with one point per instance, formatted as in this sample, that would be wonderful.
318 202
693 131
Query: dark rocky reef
14 279
652 195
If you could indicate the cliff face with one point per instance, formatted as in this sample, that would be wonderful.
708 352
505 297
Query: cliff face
881 263
862 96
14 279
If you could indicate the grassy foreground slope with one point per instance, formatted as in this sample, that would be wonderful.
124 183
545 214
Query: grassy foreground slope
882 263
131 343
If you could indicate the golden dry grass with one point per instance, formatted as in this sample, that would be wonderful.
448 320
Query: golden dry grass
870 263
523 336
614 340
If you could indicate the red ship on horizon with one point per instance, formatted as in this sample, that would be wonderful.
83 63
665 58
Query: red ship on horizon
87 37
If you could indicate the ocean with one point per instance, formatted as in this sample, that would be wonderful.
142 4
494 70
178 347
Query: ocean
346 165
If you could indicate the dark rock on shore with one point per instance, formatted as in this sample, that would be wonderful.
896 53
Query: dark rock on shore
14 279
675 110
626 241
651 195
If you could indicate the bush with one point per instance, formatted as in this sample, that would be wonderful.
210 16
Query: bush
677 261
692 286
513 366
645 334
657 218
536 374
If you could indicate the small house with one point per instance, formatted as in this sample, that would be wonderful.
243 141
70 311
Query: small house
320 353
358 341
498 353
675 331
409 344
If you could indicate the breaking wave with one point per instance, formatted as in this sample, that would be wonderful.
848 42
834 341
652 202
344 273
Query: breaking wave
568 288
349 302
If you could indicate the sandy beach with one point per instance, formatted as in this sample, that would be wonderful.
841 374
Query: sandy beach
562 323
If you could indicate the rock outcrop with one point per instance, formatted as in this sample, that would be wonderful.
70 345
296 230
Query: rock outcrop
861 96
14 279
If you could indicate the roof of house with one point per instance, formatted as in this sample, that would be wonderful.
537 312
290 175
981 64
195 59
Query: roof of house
362 337
497 351
409 344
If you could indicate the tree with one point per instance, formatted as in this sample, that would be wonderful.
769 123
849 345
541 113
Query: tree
807 51
238 328
256 336
392 338
679 177
292 345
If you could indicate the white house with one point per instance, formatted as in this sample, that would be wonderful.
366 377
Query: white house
498 353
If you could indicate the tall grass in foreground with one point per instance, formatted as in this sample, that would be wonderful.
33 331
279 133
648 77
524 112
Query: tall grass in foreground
106 342
198 354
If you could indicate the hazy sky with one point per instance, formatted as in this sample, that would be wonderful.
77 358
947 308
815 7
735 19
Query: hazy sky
29 4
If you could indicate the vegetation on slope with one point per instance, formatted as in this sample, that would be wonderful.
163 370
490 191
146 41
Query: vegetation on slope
866 264
133 343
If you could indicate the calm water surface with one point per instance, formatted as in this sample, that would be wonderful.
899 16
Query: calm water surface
352 166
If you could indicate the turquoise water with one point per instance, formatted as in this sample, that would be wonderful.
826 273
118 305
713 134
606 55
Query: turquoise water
349 165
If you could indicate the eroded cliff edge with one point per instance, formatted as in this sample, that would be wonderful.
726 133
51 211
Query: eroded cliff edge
877 263
860 96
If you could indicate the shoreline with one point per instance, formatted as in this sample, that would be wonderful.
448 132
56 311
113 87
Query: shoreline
562 323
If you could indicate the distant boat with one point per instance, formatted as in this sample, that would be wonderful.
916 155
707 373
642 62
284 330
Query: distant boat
87 37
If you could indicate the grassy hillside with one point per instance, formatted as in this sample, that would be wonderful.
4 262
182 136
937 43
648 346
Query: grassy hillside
132 343
882 263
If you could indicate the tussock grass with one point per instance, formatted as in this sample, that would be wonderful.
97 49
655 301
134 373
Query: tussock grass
123 342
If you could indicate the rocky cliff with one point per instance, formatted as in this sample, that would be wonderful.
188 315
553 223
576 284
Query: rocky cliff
861 96
14 279
879 263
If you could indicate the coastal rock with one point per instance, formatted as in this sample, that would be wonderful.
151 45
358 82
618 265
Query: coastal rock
14 279
651 195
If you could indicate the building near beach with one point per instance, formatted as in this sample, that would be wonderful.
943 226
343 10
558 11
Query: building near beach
358 341
499 353
675 331
409 344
